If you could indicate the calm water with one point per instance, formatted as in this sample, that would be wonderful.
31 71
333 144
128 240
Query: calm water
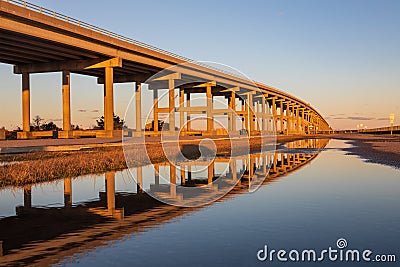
308 201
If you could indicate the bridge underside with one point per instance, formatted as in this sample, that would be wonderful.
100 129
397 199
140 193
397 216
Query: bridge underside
35 42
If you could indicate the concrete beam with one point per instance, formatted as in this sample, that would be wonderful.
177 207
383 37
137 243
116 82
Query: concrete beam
233 89
128 78
55 66
110 63
207 84
172 76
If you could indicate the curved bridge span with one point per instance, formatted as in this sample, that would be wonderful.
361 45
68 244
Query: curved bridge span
38 40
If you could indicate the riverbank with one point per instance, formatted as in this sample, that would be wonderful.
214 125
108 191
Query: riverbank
34 167
28 168
381 149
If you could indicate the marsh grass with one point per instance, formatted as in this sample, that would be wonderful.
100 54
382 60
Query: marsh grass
46 166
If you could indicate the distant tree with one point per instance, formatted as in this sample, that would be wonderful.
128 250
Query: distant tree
36 122
50 126
75 127
118 123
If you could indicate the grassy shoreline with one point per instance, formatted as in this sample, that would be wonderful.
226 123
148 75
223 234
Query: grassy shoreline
47 166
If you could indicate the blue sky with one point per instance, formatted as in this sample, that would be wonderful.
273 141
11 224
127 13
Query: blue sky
340 56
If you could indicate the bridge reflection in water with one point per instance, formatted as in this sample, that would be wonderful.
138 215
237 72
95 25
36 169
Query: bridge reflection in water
46 235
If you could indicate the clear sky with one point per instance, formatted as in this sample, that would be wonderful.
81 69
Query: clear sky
342 56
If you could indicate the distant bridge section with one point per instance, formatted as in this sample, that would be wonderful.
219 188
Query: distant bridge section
38 40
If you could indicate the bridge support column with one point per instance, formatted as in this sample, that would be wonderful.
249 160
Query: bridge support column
210 121
66 100
188 115
181 113
298 121
249 113
244 116
67 192
155 111
264 114
288 119
26 108
28 196
232 164
274 116
109 102
171 87
210 171
156 174
112 211
232 114
139 172
281 118
172 180
138 96
183 178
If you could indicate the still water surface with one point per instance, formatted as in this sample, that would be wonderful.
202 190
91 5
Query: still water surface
308 201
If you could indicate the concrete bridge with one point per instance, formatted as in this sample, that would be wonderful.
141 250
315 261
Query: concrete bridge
38 40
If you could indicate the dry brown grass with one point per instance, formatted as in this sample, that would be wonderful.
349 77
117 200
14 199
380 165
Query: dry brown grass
46 166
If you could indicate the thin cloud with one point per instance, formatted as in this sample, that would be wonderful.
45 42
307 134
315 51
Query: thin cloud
95 110
82 110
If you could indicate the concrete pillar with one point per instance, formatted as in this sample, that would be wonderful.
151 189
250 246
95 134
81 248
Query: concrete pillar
233 169
274 111
255 118
210 172
189 173
274 166
232 114
210 121
181 105
250 106
26 103
188 114
265 160
67 192
233 107
183 178
109 101
244 114
139 172
249 113
288 120
28 196
157 174
138 98
66 95
281 117
171 87
264 114
110 191
298 121
172 180
155 110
